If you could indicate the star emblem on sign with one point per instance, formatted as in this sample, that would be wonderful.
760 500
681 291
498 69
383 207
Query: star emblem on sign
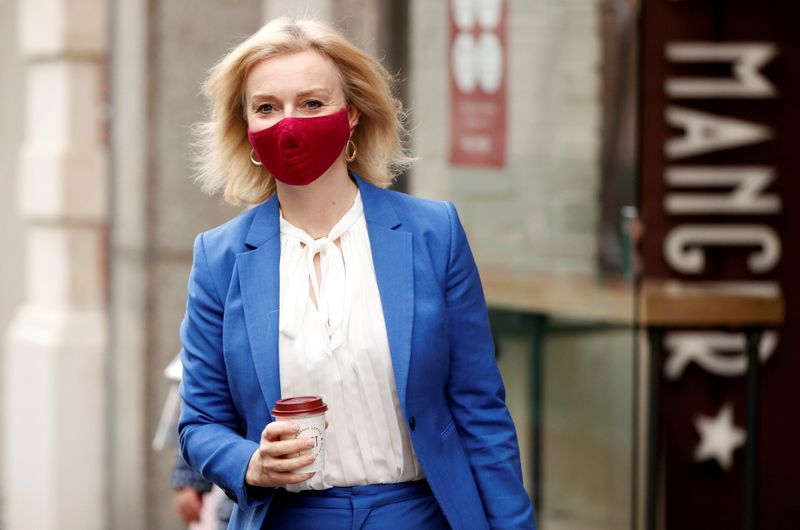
719 437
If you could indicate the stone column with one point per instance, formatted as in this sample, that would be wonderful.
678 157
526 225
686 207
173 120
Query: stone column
160 54
11 266
56 344
129 426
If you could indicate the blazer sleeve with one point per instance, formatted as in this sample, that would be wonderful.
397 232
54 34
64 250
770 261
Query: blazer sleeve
476 393
209 426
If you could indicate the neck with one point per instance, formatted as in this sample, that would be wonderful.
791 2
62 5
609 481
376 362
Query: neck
317 207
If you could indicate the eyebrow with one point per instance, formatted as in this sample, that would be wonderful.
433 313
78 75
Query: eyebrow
302 93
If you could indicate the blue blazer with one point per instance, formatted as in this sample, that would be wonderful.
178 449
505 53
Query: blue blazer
442 352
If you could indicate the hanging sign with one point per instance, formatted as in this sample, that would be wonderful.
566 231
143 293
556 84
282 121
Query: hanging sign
478 75
720 129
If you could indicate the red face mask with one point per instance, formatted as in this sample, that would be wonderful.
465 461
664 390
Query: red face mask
297 151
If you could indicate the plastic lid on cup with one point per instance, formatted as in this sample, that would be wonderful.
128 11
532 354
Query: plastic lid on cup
299 405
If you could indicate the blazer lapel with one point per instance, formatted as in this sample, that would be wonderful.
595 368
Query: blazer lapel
259 279
392 255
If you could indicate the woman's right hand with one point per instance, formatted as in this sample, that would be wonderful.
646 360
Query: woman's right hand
275 460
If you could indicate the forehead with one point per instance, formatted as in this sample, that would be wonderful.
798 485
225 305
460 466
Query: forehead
285 75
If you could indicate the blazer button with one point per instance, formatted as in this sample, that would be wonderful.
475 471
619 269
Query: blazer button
412 423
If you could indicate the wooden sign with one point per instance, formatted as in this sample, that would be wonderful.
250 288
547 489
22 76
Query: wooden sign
720 147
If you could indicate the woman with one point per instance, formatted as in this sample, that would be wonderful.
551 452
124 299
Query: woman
334 286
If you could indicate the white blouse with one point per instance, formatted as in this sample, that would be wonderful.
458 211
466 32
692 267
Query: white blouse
339 349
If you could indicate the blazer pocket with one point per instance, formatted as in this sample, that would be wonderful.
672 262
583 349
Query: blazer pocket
448 429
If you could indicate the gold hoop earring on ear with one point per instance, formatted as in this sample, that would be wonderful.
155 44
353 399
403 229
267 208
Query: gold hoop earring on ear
350 156
252 158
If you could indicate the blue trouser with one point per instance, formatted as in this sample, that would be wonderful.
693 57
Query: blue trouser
403 506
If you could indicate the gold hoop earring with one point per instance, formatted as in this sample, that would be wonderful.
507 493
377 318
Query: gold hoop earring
347 154
252 158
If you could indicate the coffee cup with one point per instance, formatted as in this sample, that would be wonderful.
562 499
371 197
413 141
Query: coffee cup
309 413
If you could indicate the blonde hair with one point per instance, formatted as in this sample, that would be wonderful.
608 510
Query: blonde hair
222 148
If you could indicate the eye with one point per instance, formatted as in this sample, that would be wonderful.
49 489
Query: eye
314 104
265 108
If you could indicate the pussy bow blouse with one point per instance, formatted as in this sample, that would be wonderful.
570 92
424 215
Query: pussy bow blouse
338 348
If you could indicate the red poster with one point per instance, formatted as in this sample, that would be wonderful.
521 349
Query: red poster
478 73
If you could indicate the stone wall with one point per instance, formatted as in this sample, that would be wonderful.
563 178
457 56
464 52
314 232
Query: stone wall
539 212
535 220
